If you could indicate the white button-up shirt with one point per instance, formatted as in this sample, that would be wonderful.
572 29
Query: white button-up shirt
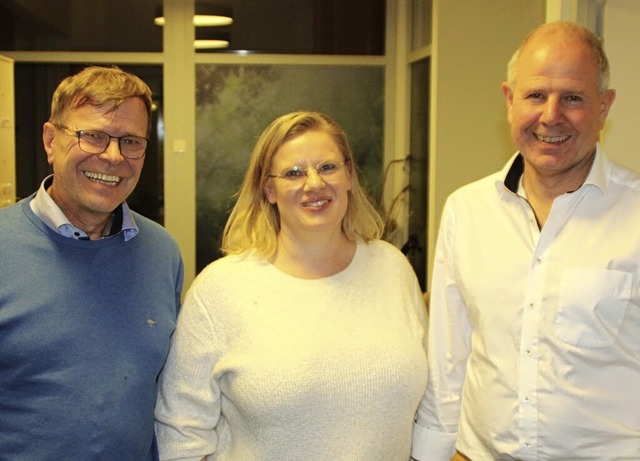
534 340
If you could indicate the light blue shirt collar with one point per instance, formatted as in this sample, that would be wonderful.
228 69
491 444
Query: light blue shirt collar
46 209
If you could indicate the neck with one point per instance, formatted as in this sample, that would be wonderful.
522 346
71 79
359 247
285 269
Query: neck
96 225
543 189
315 257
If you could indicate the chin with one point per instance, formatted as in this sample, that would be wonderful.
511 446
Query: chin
104 207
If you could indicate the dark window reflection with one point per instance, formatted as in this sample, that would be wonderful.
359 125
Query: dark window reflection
416 247
266 26
78 25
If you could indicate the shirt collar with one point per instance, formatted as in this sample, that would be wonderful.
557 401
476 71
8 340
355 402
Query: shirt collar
510 176
598 174
47 210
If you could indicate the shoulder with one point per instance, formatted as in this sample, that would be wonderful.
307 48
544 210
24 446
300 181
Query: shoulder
491 185
152 231
15 218
149 225
478 187
380 253
232 270
623 176
226 285
475 199
233 264
380 248
10 213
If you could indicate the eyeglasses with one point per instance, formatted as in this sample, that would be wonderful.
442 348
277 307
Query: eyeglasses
295 173
96 142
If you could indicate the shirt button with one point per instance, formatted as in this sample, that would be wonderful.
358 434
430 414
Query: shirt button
528 351
526 399
532 306
527 445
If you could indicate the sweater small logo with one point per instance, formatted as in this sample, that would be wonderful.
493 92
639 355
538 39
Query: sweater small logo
151 323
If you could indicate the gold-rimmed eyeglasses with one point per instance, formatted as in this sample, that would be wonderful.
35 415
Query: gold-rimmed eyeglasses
296 172
96 142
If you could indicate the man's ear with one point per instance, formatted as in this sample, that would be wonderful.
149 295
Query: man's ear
607 101
508 98
48 135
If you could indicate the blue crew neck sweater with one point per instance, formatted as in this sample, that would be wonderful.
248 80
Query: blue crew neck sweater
84 333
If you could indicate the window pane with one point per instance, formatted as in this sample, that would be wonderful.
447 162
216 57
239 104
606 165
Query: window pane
420 23
67 25
267 26
419 169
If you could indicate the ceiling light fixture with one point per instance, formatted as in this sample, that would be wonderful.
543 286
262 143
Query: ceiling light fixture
206 15
210 44
208 39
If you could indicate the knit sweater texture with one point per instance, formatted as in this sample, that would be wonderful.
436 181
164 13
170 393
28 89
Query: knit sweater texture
266 366
84 331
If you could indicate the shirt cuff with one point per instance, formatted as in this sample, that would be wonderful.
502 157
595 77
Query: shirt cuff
432 446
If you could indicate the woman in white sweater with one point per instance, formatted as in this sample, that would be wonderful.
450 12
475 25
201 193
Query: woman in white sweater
306 341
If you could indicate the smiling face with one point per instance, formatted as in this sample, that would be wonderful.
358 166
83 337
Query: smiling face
555 107
316 202
88 187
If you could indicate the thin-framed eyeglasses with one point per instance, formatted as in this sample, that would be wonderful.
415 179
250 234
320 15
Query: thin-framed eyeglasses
96 142
324 169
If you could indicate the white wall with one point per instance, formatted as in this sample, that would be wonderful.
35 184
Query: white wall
621 136
470 137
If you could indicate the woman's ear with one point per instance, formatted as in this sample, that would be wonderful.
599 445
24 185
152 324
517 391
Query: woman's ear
269 192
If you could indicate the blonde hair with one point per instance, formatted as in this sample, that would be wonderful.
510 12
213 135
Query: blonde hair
254 223
573 30
98 86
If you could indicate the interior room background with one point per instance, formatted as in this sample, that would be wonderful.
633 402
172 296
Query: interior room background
414 82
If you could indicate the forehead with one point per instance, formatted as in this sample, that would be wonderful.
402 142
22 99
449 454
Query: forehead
131 113
313 146
559 60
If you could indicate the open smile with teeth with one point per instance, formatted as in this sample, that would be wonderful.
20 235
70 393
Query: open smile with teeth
102 178
316 203
551 139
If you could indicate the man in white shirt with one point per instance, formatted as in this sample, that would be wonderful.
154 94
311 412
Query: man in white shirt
534 349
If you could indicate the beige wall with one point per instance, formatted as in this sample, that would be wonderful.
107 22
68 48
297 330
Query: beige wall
7 134
472 43
621 136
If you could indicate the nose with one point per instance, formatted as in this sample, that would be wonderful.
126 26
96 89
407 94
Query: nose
313 179
112 152
552 112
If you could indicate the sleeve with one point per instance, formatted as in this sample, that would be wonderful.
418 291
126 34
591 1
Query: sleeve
188 405
448 347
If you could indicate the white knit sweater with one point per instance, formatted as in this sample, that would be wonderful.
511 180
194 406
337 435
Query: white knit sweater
265 366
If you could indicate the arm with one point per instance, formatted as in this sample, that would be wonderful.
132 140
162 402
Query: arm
436 427
188 404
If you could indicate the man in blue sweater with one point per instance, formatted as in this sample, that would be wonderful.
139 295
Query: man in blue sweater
89 290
